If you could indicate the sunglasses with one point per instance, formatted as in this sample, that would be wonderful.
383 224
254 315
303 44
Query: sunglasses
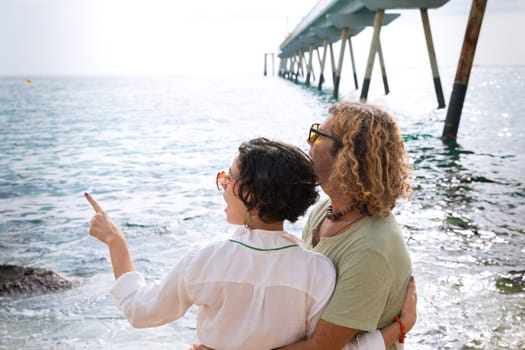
315 134
222 180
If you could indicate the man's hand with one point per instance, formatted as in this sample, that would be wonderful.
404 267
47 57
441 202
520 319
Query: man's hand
409 312
199 347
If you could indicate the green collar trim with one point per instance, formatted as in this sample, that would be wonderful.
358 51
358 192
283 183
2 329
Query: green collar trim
263 250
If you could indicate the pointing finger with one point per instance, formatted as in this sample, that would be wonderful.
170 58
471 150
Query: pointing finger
93 202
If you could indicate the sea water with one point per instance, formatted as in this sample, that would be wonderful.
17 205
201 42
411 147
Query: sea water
148 149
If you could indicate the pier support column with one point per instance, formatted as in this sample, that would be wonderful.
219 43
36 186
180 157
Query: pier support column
312 71
344 36
318 58
265 61
291 76
432 57
332 58
282 66
378 23
309 66
383 68
353 61
296 67
300 67
321 63
287 67
459 90
302 60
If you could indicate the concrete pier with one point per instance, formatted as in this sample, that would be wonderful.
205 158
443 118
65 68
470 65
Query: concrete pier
331 21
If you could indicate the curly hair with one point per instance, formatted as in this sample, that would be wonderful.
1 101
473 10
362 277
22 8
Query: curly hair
275 178
371 164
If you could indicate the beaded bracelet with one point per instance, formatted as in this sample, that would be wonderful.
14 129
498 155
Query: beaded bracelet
403 330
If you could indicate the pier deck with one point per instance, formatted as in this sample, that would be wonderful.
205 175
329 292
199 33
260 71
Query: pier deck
330 21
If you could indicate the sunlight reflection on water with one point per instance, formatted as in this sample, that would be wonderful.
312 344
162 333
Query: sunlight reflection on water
149 148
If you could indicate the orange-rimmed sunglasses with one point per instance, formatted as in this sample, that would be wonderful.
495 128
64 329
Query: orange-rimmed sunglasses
222 180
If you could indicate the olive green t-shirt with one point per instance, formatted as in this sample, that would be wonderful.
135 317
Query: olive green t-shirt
373 268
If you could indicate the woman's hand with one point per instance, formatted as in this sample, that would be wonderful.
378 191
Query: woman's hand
106 231
102 227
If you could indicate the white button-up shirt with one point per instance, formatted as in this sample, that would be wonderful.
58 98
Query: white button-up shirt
258 290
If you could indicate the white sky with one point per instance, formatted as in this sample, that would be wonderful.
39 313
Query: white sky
225 37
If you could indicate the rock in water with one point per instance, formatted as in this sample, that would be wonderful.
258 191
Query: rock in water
18 279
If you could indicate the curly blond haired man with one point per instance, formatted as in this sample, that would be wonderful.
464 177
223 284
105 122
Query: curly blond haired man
362 165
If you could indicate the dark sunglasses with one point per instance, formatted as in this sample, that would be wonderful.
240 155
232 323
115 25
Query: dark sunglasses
315 133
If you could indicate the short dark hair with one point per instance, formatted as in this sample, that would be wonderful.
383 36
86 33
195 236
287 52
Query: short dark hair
275 178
